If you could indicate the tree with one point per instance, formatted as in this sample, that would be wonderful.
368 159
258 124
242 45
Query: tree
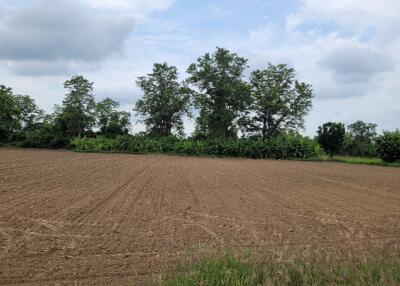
331 137
30 115
78 110
279 102
111 121
165 101
223 94
362 137
9 113
389 146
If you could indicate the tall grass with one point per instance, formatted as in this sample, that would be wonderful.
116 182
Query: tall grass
288 146
233 270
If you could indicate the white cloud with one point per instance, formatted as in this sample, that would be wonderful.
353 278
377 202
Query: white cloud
347 50
139 8
382 16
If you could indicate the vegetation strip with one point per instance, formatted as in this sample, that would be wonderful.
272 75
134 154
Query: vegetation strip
237 270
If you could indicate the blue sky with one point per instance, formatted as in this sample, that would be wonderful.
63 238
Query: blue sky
346 49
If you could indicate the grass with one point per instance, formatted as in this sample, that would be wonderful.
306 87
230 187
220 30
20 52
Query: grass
240 270
361 160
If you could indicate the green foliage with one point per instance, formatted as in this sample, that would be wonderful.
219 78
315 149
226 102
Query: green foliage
9 113
360 139
165 101
279 102
221 271
18 115
233 270
389 146
286 146
111 121
223 94
331 137
77 114
30 116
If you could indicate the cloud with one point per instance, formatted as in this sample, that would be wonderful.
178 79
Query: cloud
57 37
364 17
355 65
61 30
141 8
44 68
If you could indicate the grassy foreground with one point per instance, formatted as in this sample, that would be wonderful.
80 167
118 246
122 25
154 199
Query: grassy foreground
229 269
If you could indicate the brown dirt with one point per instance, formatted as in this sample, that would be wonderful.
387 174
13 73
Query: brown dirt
109 219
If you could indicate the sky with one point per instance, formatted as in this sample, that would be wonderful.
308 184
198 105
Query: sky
348 50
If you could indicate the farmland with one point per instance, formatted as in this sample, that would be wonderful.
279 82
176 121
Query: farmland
113 219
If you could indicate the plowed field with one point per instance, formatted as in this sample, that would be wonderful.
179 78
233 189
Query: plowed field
111 219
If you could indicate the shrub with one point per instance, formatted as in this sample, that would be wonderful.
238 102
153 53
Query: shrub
389 146
286 146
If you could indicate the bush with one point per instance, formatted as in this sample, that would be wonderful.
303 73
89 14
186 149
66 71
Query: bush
287 146
37 139
42 138
389 146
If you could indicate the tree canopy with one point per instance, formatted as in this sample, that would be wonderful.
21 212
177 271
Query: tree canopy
165 101
110 120
331 137
78 108
222 94
361 137
279 101
9 113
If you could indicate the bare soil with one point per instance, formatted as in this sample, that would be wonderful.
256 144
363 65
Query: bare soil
111 219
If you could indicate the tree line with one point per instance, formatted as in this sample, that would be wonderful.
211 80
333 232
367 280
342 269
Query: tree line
226 106
22 121
360 139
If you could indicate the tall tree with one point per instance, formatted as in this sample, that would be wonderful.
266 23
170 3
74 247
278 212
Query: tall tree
331 137
222 93
78 109
111 121
362 138
165 101
9 113
279 101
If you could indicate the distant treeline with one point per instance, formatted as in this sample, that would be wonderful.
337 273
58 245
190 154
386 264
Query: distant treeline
231 112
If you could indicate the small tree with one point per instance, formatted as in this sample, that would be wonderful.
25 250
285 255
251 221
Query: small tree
165 101
223 94
389 146
77 114
331 137
110 121
279 102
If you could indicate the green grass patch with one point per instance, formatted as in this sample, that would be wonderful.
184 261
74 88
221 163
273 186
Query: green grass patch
241 270
363 160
